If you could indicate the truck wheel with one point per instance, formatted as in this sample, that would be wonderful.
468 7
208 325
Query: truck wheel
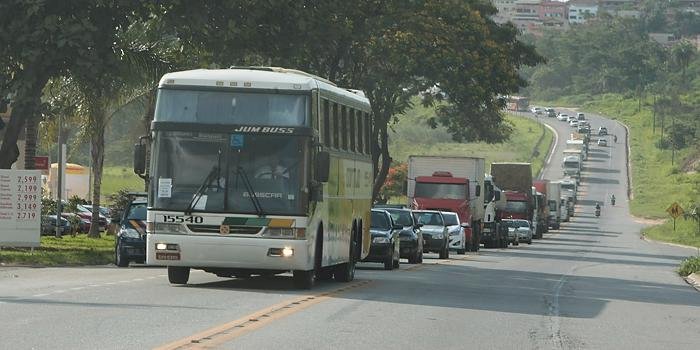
178 274
445 253
389 260
345 272
420 258
412 259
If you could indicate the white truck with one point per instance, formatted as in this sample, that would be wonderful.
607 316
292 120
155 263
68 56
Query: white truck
554 204
571 165
578 145
494 202
440 183
568 192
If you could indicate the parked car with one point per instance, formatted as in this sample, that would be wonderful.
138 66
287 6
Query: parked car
48 225
103 210
410 238
602 142
86 216
80 224
130 244
580 116
384 247
455 232
434 231
563 117
602 131
573 123
522 230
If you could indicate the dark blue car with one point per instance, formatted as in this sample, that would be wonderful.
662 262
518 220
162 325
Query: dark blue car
131 238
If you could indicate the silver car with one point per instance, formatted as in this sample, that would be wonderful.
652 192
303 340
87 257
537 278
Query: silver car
518 231
455 232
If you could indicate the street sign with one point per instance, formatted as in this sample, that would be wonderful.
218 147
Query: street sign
41 163
20 208
675 210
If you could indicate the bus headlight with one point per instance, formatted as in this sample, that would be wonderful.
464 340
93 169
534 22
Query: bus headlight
169 228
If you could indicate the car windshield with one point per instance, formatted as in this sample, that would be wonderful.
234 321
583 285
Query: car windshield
552 205
137 211
379 220
433 219
571 164
568 186
450 219
441 190
517 223
231 169
401 217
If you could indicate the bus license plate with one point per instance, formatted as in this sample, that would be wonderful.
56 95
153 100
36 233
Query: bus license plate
167 256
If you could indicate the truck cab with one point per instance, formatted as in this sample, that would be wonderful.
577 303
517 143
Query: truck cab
517 206
444 192
571 166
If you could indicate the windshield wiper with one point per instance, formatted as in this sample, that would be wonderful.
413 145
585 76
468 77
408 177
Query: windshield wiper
213 174
251 192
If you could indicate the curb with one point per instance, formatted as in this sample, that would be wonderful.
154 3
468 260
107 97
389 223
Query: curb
552 148
694 280
649 240
628 152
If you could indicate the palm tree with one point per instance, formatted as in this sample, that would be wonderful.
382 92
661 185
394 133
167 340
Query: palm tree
683 53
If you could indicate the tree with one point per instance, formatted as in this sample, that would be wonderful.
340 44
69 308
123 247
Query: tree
394 183
41 40
683 52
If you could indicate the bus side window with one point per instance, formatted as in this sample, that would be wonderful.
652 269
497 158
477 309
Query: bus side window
360 132
368 133
326 134
344 127
353 128
336 125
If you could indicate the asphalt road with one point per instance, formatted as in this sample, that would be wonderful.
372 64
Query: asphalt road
591 285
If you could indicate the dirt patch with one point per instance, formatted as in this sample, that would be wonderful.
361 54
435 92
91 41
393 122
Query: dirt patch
691 164
648 221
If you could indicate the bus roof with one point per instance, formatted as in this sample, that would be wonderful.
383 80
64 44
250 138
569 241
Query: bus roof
274 78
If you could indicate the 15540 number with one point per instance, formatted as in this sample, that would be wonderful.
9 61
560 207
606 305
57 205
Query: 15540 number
180 219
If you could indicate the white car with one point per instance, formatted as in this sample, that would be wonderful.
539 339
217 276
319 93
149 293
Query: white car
457 241
563 117
519 230
602 142
573 123
537 110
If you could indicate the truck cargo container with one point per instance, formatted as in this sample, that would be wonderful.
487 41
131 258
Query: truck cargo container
542 207
516 181
553 204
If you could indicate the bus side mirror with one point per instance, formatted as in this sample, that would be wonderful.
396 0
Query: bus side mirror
478 190
498 196
322 166
139 158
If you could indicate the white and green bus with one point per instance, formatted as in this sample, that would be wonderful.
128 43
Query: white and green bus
257 171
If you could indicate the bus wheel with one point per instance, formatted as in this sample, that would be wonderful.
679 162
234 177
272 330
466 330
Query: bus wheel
178 274
345 272
303 279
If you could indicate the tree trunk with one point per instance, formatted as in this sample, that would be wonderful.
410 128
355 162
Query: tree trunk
98 143
24 107
385 162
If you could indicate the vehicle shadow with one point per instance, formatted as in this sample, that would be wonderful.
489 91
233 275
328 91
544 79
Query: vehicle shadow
601 170
597 180
599 155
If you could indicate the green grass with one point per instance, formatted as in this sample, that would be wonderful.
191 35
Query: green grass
115 178
656 183
689 265
79 250
413 137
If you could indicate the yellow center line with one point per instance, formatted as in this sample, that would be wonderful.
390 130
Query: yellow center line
226 332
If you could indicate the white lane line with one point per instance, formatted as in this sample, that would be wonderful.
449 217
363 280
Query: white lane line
77 288
59 291
137 279
40 295
95 285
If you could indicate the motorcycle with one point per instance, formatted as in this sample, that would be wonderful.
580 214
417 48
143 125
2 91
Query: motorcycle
597 213
612 200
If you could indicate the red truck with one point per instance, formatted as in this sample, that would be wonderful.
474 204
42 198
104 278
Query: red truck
516 181
450 184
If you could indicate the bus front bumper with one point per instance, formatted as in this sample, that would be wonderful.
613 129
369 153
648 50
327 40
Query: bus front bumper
228 252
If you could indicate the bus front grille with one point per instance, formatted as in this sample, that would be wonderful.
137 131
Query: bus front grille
232 230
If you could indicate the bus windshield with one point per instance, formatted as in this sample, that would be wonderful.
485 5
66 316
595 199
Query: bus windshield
516 207
443 191
226 107
234 171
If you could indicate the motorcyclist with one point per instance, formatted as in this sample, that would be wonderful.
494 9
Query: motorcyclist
597 209
612 199
615 138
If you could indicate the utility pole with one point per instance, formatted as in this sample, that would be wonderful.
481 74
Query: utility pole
59 183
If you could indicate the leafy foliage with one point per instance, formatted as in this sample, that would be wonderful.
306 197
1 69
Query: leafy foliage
394 183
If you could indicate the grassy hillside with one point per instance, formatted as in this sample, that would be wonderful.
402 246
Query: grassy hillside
656 183
412 136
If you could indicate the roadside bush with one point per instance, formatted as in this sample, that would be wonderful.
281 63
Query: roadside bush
120 200
663 143
689 265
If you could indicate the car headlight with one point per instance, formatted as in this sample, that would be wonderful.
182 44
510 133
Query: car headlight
380 240
129 232
438 236
169 228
